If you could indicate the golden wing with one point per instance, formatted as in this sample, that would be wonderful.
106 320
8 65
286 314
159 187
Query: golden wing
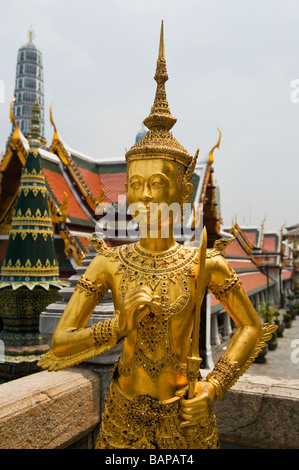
219 246
98 244
266 335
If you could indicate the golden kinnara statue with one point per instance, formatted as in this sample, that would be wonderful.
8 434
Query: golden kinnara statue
157 398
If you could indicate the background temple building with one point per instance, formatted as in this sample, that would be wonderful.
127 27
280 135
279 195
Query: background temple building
29 85
80 190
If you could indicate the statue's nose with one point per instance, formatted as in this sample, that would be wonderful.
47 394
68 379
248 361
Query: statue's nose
146 195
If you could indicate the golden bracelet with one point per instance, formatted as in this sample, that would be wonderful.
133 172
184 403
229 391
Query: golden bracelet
222 376
105 331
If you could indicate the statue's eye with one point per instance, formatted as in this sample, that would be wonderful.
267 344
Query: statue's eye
157 182
135 184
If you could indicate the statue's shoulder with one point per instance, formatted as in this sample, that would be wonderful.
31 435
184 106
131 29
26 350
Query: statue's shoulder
219 247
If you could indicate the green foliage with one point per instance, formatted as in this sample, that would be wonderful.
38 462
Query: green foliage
266 311
273 338
287 317
276 314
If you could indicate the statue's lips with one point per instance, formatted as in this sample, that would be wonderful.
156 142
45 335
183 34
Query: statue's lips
145 210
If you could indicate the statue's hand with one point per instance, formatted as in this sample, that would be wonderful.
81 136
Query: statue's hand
136 304
200 407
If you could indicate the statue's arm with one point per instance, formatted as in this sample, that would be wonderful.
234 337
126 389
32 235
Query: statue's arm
247 341
73 342
250 336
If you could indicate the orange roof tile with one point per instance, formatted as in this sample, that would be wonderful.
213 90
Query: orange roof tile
113 185
93 181
269 244
83 242
251 236
247 264
59 186
286 274
234 248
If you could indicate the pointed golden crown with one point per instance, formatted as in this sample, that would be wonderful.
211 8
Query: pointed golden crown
159 142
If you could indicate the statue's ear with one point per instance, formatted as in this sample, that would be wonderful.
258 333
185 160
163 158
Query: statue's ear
187 192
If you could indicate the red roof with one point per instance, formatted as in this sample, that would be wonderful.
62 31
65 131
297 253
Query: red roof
269 244
234 249
93 181
286 274
251 237
83 242
59 186
247 264
113 185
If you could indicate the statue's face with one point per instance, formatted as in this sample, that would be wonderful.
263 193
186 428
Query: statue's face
153 184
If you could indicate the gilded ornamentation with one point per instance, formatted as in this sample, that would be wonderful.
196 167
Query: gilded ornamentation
91 288
154 331
30 258
157 287
219 247
105 331
148 423
223 289
223 374
226 373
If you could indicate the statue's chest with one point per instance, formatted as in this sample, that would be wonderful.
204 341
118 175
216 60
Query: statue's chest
169 275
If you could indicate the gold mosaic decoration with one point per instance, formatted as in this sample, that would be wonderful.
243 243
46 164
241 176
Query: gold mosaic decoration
147 423
91 288
222 290
159 272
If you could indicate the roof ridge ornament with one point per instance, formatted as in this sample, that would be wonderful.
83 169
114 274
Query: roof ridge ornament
16 132
31 34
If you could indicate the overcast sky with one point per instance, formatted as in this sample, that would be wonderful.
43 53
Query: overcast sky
230 65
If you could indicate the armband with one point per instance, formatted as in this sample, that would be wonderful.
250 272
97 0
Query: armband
222 290
91 288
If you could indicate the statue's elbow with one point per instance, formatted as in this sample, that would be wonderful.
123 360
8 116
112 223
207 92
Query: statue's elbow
256 329
57 345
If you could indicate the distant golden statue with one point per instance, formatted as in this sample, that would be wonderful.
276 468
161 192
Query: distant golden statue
157 398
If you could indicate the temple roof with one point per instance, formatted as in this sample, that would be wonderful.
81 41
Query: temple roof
75 183
30 257
248 254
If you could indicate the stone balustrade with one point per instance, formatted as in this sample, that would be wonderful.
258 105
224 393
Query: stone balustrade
50 410
62 410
